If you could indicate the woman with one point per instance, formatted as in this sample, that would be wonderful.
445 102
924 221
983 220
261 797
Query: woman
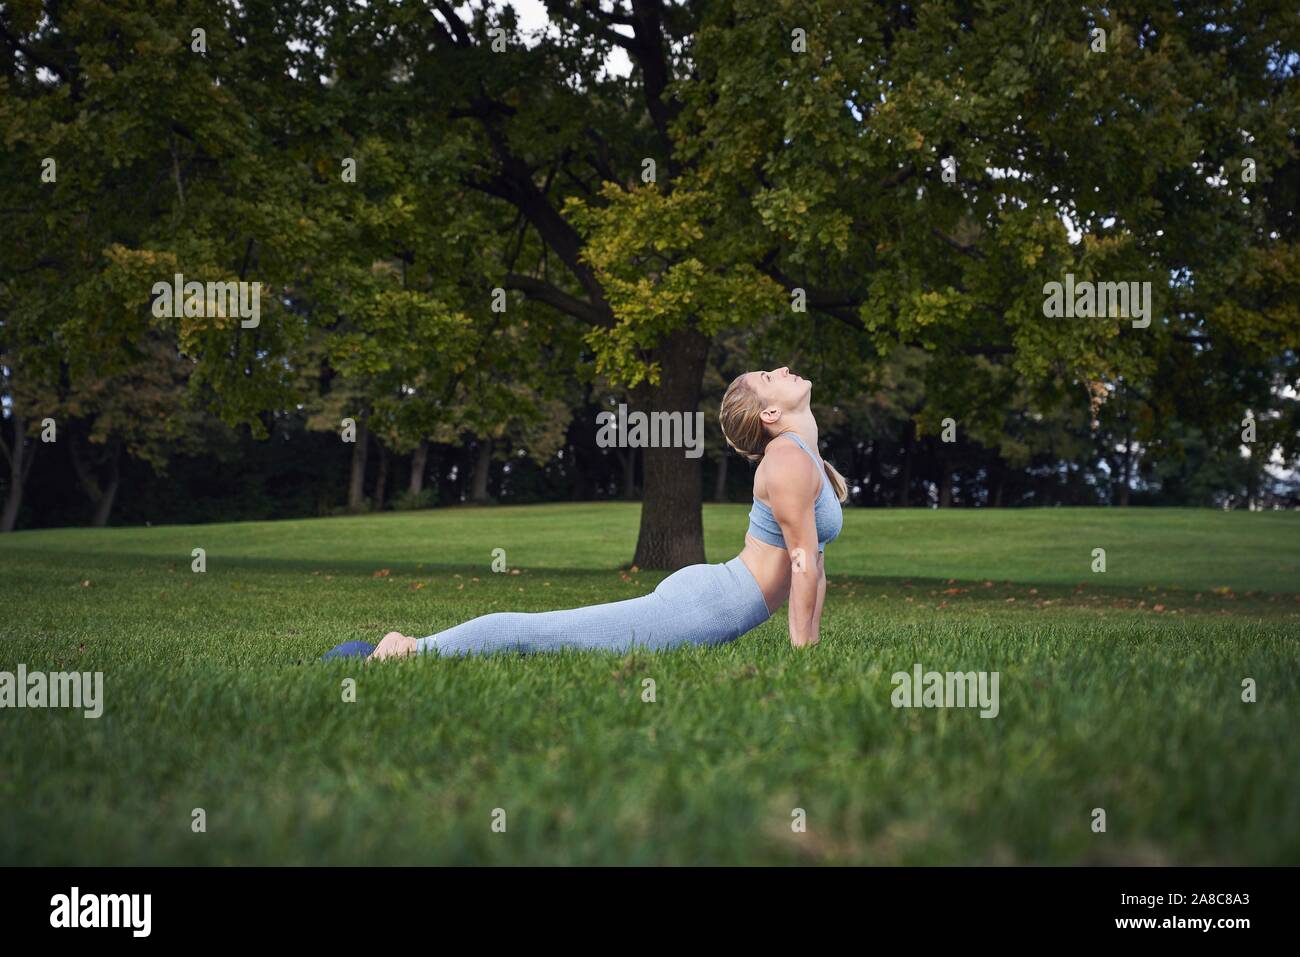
766 417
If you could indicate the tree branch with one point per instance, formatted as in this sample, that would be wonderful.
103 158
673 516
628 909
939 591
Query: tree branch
29 456
88 481
647 48
543 291
584 20
58 69
515 185
454 22
609 16
899 177
961 247
836 304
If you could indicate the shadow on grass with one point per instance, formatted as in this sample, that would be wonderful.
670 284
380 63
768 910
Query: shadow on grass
933 591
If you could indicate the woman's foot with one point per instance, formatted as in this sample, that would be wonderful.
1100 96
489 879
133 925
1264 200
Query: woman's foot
349 649
394 645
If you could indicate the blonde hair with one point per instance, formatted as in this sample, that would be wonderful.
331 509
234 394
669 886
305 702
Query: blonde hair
743 429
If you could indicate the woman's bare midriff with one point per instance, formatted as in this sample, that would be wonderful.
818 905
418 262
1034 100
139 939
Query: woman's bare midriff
770 566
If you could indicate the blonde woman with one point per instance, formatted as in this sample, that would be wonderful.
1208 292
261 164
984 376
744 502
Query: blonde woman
766 417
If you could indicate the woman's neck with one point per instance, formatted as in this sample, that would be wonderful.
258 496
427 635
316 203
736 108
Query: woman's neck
804 425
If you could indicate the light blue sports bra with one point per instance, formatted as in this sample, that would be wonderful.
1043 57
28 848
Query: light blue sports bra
826 511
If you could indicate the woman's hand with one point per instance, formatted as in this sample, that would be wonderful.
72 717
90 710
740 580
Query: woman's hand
393 645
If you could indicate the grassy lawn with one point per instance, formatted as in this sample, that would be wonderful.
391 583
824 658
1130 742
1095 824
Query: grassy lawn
1119 691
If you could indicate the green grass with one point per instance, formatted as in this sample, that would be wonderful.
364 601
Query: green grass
1119 690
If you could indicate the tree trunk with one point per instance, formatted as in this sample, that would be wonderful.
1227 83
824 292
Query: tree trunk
1126 472
720 480
873 467
101 497
672 526
945 487
357 478
419 458
580 450
464 468
105 505
444 472
13 502
381 480
482 468
20 463
627 459
581 483
905 477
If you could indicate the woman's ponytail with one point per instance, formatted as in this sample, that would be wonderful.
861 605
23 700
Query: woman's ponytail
838 485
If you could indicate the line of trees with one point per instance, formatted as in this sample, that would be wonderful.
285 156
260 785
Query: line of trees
467 238
298 471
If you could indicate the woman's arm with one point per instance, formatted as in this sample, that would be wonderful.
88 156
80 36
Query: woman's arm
792 485
821 596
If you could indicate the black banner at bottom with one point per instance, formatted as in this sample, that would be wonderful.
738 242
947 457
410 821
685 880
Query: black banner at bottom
929 905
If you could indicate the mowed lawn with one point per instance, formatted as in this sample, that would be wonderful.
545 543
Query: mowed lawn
1120 691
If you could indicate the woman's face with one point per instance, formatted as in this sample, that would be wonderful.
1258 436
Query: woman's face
780 388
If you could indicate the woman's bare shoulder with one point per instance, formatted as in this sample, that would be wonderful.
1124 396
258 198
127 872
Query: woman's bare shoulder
787 469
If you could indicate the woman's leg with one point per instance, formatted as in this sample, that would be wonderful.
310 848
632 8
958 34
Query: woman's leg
616 626
700 604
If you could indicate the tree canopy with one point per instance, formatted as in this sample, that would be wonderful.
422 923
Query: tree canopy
466 233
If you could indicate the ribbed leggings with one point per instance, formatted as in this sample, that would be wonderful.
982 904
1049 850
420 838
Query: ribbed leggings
699 604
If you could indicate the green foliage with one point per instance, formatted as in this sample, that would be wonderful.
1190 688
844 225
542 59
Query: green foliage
820 171
662 267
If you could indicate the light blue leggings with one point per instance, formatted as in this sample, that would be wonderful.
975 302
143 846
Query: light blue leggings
700 604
